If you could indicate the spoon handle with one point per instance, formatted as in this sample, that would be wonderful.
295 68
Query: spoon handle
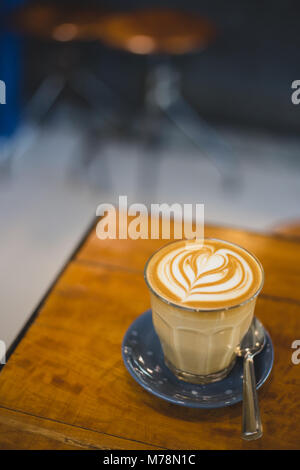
252 427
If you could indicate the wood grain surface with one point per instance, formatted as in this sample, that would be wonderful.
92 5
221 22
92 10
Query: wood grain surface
65 385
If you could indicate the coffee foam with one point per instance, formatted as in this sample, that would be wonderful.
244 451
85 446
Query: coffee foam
204 274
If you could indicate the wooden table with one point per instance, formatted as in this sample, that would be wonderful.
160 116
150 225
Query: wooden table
65 385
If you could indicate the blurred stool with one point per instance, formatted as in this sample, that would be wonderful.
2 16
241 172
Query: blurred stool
66 25
156 31
57 21
161 35
288 229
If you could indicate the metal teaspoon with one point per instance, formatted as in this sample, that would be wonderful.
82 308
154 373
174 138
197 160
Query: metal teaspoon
252 343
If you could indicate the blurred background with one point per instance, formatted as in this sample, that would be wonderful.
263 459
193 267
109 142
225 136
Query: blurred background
162 101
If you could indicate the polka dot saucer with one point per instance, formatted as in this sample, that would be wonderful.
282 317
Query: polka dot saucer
143 358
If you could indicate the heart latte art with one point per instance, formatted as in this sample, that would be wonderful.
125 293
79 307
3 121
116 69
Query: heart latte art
207 274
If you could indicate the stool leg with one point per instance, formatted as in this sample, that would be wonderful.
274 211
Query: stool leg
166 95
37 108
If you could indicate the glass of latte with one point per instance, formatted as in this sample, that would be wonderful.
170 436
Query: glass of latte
203 294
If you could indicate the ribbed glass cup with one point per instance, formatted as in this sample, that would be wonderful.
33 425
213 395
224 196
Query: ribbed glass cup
199 345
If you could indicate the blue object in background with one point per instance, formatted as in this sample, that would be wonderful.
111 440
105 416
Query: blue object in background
10 72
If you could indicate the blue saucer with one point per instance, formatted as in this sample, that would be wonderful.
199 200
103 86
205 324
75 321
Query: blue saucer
143 358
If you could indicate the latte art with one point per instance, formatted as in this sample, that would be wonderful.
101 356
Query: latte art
208 274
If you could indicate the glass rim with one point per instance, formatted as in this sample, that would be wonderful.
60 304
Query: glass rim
207 309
